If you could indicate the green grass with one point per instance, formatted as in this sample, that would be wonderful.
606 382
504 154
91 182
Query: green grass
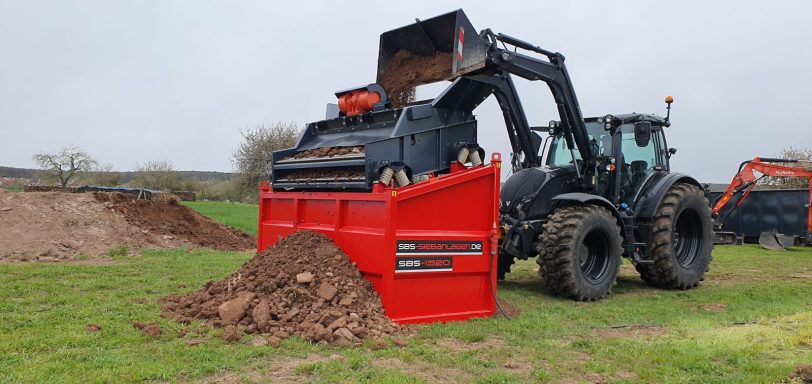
639 334
237 215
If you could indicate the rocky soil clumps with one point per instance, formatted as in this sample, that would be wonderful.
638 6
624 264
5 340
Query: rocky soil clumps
304 286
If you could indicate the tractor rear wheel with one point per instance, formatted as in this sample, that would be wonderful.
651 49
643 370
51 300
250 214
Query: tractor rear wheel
681 239
579 254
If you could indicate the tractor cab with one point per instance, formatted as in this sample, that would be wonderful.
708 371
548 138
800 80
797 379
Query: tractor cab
629 149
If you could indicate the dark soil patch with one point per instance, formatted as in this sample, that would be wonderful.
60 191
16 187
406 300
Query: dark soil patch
508 309
803 373
630 331
716 307
151 329
172 220
407 70
329 302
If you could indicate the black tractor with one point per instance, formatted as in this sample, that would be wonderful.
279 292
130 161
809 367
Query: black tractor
583 210
594 191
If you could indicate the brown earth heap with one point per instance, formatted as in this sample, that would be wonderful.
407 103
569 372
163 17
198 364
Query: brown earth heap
303 286
407 70
54 226
170 219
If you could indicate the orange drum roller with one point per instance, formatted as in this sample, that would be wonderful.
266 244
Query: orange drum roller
357 101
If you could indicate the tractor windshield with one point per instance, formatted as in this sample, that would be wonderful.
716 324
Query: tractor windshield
599 139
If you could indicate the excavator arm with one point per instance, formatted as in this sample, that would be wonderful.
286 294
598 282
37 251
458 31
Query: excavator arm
746 178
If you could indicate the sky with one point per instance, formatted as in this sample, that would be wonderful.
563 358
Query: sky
134 81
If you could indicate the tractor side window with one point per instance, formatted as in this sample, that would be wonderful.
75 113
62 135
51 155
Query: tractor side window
662 148
560 154
637 163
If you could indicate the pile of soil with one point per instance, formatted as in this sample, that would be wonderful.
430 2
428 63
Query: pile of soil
55 226
328 152
303 286
170 219
407 70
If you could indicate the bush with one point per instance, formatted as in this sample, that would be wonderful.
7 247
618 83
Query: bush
252 161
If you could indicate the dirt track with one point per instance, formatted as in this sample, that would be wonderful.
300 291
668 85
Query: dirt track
54 226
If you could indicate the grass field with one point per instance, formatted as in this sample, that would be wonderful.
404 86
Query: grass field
749 322
237 215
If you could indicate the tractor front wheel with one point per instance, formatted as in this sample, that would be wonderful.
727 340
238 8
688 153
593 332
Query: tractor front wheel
579 254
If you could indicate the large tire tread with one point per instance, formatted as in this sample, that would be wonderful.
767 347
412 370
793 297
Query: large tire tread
664 270
556 262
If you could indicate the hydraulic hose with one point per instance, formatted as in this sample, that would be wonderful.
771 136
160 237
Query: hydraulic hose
493 289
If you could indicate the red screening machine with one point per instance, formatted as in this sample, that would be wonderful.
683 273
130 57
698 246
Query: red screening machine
429 248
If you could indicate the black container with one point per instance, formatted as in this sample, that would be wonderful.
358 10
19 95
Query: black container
783 211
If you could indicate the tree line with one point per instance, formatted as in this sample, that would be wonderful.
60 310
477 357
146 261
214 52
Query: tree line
72 165
251 164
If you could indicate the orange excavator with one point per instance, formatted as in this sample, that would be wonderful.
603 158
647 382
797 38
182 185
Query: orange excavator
744 182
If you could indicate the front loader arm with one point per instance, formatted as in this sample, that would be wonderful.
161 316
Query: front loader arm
555 74
501 64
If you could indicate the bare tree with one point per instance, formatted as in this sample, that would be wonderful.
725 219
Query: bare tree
65 165
158 175
790 182
103 174
252 161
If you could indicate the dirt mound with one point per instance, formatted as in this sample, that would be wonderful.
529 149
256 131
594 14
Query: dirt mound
303 286
172 220
407 70
54 226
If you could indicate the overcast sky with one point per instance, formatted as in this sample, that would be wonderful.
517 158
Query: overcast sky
133 81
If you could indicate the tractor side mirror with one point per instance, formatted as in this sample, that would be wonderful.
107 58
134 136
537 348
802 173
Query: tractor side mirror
672 152
642 133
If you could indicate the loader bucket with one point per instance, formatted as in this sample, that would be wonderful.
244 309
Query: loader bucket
769 240
785 240
440 48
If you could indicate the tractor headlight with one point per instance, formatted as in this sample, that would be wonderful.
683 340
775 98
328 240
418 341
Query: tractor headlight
609 120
